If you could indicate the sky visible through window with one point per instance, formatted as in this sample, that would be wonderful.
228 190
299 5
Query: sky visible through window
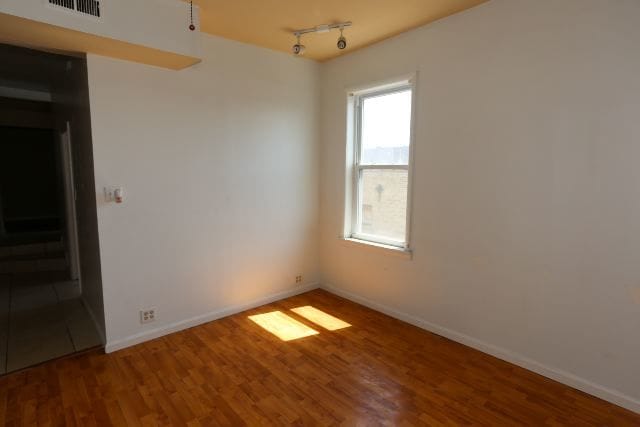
386 128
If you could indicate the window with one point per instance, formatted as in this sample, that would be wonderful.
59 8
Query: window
381 138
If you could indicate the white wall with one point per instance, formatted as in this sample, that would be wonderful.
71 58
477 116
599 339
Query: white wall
526 215
219 165
160 24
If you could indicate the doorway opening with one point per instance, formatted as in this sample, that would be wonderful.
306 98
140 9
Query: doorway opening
50 282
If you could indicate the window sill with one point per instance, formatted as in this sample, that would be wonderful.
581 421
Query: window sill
379 247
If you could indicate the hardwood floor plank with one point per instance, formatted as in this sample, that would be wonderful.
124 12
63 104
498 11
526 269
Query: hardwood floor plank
231 372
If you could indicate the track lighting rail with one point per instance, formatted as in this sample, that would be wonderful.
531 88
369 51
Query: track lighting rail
325 28
299 48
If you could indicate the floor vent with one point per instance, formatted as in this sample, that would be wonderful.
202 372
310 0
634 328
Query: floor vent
85 7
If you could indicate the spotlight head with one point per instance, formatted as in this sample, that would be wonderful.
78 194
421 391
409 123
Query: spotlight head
298 49
342 42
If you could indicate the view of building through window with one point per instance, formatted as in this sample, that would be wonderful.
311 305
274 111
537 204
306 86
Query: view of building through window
384 203
384 127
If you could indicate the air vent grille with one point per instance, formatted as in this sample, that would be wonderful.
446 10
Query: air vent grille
69 4
86 7
90 7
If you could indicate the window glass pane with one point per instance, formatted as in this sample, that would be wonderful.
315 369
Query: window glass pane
383 203
386 124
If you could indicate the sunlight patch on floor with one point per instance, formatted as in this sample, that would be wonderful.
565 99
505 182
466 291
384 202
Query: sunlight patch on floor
284 327
320 318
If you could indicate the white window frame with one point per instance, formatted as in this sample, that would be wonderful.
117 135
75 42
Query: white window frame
353 213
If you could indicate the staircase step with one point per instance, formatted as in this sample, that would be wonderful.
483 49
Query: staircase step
34 256
34 277
34 265
31 248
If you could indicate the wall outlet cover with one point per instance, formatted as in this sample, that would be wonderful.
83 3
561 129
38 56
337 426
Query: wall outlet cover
148 315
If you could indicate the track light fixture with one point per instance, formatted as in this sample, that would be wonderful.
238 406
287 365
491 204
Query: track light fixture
298 48
342 42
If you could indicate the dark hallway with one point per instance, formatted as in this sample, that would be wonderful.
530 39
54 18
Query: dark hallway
43 308
30 185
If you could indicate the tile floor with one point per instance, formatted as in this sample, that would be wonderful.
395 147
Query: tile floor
42 317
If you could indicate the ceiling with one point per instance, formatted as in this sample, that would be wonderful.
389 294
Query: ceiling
269 23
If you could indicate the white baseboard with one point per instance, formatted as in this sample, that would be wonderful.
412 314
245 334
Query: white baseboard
204 318
559 375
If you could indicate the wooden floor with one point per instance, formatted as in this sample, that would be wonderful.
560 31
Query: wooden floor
379 371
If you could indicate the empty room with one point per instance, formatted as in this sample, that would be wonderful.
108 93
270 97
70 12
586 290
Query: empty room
358 213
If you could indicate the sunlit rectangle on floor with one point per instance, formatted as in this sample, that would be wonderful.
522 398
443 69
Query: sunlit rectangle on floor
321 318
284 327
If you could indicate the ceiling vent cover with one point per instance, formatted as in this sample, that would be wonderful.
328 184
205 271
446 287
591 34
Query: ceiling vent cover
85 7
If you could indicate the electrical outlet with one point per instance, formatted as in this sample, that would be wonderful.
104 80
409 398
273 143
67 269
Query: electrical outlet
148 315
299 279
